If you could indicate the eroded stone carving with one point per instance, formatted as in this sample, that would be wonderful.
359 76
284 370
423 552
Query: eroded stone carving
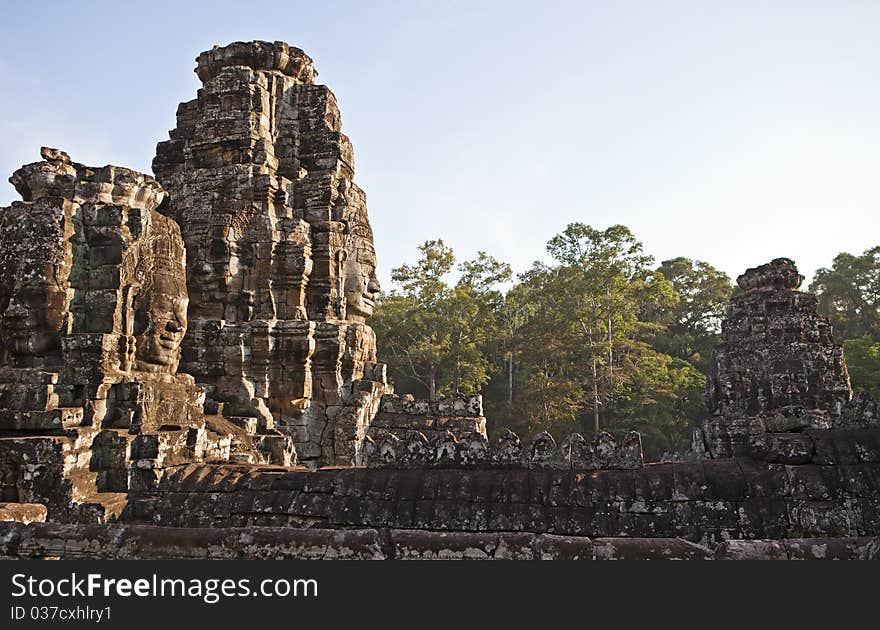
863 411
473 451
459 415
360 284
280 254
160 304
777 368
34 270
94 301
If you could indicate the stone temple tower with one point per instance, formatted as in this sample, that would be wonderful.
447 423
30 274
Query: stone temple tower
281 266
778 368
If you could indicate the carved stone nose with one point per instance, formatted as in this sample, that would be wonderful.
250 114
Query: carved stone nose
173 326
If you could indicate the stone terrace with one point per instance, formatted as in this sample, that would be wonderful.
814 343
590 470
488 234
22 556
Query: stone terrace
834 493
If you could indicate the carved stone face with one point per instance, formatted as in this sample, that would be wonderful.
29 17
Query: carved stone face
32 319
361 284
33 285
214 272
160 324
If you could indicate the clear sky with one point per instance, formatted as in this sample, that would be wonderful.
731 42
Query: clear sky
731 132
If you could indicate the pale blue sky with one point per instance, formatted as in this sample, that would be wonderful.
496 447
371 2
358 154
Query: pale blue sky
732 132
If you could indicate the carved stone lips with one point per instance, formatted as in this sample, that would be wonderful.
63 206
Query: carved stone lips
169 341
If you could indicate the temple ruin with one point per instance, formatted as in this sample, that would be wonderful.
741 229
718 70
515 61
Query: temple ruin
187 370
777 368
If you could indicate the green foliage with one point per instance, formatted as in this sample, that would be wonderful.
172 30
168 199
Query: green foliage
692 325
849 294
434 335
424 281
863 361
598 337
663 404
578 347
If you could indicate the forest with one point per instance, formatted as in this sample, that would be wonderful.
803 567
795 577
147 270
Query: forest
600 338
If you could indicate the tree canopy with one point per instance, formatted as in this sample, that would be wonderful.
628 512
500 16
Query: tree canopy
598 337
849 294
433 333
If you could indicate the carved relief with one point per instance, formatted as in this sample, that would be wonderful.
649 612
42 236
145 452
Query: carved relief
94 309
777 368
160 303
280 253
34 271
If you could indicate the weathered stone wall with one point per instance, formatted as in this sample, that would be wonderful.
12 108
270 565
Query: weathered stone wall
413 449
23 512
399 415
817 446
119 542
704 502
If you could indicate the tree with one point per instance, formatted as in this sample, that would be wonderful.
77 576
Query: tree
597 338
849 294
502 393
544 381
663 403
863 362
585 321
433 334
692 324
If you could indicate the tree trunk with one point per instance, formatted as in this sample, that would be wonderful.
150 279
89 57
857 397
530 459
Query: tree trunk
595 397
610 344
510 379
432 384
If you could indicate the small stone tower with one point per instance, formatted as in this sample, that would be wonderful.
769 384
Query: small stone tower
777 368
